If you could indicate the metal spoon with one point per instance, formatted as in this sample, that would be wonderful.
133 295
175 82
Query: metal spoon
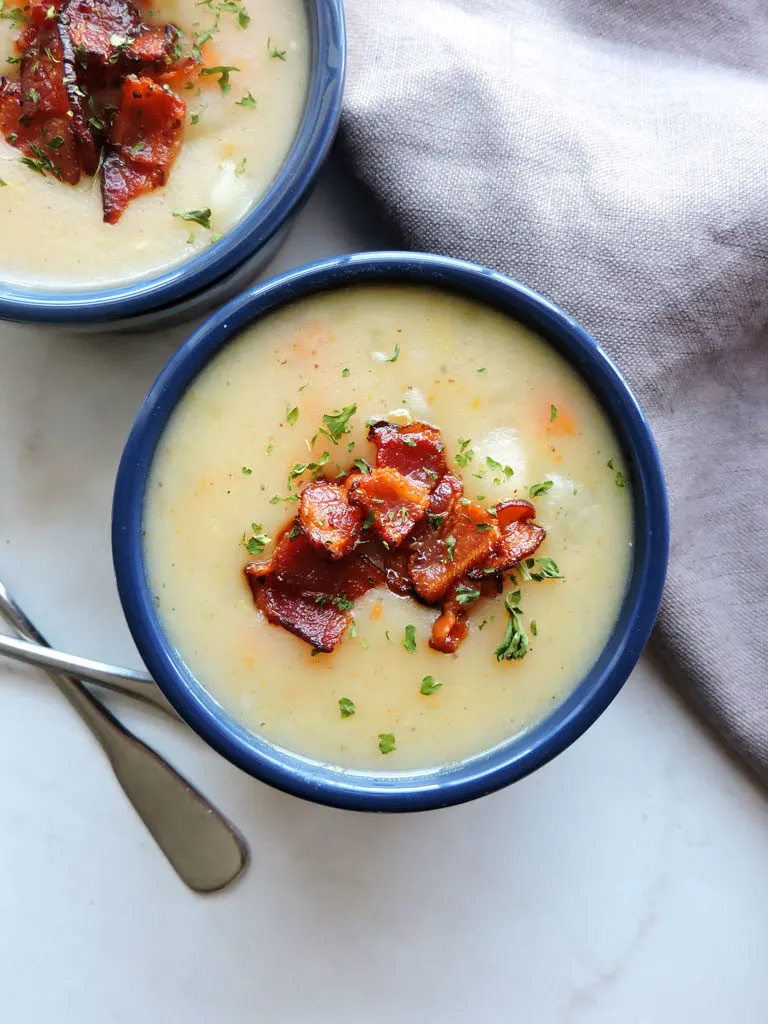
204 849
127 681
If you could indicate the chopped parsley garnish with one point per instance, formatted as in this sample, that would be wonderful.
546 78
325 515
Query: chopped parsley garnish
466 595
3 184
270 448
223 71
302 467
247 101
246 471
482 370
362 465
410 441
498 467
611 463
395 354
429 686
274 52
34 96
55 143
295 531
337 423
201 217
450 545
621 480
345 372
15 14
410 639
369 520
514 646
436 519
18 60
541 488
534 628
386 742
465 453
291 414
240 167
552 413
353 629
257 541
482 527
342 602
42 164
346 707
548 570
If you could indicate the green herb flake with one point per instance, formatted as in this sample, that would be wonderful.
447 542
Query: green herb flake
257 541
295 531
621 480
436 519
291 414
410 639
482 527
534 628
394 356
552 413
345 372
243 18
514 646
482 370
3 184
223 71
450 545
274 52
337 423
246 471
535 490
249 102
386 742
369 520
611 463
240 167
362 465
429 686
201 217
270 448
466 595
346 707
465 453
548 570
353 629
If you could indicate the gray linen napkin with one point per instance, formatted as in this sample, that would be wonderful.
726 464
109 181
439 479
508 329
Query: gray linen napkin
612 154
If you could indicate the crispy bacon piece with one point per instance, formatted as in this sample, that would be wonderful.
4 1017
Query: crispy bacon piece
328 520
144 141
307 594
519 540
467 537
446 495
390 563
512 511
448 631
46 128
416 450
110 35
396 502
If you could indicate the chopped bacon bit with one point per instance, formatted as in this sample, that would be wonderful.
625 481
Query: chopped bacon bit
301 591
330 554
511 511
445 495
466 537
110 35
448 630
397 503
519 540
328 520
143 143
416 450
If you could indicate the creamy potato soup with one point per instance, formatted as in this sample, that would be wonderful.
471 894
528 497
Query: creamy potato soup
237 112
517 423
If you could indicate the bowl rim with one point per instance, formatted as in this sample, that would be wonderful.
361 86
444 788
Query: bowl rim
71 305
515 757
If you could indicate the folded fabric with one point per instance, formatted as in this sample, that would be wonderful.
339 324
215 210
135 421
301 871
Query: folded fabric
614 156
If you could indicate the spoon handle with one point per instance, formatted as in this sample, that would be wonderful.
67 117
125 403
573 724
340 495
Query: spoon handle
204 849
122 680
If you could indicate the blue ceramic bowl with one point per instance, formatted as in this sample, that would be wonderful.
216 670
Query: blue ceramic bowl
453 783
215 275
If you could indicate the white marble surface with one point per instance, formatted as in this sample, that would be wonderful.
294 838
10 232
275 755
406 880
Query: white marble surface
625 882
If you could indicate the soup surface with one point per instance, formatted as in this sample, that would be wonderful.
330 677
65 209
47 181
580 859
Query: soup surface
516 415
239 126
